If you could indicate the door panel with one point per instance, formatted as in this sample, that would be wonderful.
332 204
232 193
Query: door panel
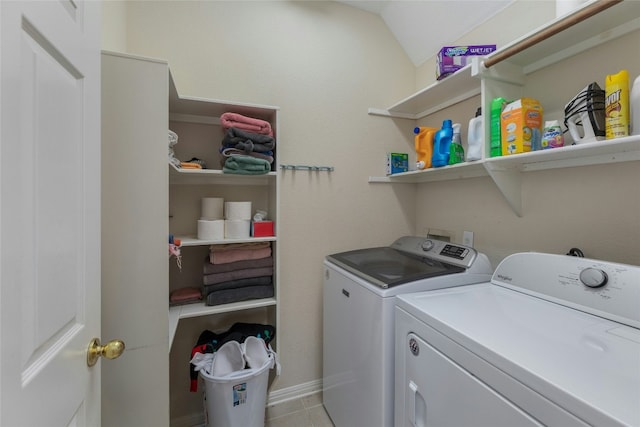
51 110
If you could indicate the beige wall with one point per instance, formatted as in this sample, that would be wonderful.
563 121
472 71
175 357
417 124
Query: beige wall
511 23
114 26
324 64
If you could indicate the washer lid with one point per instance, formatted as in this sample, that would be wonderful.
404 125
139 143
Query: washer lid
387 267
588 365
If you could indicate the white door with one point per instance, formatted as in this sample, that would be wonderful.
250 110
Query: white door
49 212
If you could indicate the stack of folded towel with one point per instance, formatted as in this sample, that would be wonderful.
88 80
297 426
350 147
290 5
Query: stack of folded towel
248 145
234 120
238 272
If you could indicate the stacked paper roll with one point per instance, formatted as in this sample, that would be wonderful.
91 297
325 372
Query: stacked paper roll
211 229
237 210
212 208
237 228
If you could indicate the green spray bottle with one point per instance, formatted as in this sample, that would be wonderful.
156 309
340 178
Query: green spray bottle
495 147
456 154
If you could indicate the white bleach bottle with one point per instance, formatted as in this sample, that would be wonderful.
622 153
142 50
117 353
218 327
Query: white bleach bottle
475 137
634 107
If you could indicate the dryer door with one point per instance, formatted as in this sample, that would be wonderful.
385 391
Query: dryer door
438 392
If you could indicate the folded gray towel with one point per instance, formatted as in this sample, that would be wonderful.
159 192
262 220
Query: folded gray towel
236 284
212 279
242 294
247 141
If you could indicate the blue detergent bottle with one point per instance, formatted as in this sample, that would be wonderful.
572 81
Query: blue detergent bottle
442 145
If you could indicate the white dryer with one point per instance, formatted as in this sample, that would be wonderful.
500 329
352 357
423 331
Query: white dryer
551 340
359 298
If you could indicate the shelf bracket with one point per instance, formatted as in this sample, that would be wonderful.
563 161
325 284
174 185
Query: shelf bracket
509 182
504 72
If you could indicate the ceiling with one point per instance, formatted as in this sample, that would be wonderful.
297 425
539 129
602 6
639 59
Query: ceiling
422 27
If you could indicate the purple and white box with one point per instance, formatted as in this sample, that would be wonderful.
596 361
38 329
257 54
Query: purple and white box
451 58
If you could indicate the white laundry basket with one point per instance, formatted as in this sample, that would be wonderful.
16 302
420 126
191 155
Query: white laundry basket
237 399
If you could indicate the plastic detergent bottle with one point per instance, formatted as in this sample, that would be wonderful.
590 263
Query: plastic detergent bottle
495 149
424 146
475 137
456 154
616 104
442 144
634 107
552 136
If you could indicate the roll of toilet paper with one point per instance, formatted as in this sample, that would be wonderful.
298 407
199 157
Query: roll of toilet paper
212 208
211 229
237 228
237 210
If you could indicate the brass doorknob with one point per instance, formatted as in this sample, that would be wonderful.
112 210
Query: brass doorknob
111 350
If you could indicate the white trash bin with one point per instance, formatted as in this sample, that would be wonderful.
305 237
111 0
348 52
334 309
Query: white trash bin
239 398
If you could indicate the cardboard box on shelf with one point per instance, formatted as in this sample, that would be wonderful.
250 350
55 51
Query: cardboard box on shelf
451 58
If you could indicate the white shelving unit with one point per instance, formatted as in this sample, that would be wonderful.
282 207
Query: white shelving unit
507 79
197 123
435 97
506 171
200 309
217 177
134 226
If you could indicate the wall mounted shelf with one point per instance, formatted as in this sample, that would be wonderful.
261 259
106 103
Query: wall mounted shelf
506 171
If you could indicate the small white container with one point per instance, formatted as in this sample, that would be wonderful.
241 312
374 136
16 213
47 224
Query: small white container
475 137
634 107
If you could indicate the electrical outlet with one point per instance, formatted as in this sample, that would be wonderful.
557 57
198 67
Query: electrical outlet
467 238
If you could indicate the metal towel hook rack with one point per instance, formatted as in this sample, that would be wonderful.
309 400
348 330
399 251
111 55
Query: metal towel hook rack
307 168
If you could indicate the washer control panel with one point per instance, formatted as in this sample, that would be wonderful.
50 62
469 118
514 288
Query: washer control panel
606 289
446 252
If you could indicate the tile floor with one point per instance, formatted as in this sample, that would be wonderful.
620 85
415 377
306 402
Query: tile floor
304 412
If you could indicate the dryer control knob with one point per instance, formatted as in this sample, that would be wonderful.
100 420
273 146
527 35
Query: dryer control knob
427 245
593 277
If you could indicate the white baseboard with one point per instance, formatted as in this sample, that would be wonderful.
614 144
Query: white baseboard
192 420
274 398
294 392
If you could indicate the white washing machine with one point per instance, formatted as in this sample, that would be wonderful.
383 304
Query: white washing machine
551 340
359 298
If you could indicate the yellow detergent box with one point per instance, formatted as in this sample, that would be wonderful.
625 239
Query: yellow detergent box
521 126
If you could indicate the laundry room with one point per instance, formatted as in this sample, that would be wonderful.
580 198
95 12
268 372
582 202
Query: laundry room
324 74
